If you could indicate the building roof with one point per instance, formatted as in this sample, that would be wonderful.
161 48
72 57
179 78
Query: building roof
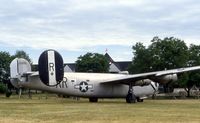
114 66
72 66
109 58
123 65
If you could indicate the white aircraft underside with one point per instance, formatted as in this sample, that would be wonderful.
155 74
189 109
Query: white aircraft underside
51 78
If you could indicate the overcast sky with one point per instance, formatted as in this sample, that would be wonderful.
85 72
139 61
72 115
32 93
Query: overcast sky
75 27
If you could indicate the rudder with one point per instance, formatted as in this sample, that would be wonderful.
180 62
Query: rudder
18 67
51 69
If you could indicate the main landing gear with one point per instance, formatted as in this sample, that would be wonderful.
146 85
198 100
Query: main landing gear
131 98
93 99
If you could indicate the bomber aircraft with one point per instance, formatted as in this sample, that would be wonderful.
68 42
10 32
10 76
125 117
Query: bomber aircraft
52 78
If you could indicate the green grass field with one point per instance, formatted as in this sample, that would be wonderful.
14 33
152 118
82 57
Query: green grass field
58 110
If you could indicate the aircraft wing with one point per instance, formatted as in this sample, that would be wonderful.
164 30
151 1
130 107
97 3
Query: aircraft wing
133 78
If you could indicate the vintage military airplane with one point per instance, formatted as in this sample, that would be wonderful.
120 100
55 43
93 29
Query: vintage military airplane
51 78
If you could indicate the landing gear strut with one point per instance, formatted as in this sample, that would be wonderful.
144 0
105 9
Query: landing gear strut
20 92
131 98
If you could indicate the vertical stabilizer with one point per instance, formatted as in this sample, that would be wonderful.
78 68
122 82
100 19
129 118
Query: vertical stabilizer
18 67
51 69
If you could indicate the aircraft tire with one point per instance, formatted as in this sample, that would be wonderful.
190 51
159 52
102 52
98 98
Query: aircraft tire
139 100
93 99
131 98
8 94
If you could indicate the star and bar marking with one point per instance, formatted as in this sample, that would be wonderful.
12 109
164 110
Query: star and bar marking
83 86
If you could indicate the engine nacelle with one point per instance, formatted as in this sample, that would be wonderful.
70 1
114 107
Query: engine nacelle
166 78
143 82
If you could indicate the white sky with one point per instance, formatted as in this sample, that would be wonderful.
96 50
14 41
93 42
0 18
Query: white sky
74 27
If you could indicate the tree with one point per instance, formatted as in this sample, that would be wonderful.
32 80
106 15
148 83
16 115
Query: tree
192 78
22 54
167 53
92 62
5 59
141 59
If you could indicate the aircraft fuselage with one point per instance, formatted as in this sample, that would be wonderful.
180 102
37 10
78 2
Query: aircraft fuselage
88 85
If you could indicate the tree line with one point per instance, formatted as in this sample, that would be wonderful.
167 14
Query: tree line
167 53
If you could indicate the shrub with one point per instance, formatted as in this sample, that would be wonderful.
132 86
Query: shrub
2 88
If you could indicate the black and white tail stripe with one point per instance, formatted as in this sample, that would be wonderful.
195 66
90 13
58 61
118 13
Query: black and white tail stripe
51 67
51 70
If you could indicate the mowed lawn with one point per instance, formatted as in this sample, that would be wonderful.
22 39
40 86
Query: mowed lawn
54 109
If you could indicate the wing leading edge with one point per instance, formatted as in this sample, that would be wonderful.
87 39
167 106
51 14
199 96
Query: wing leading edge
136 77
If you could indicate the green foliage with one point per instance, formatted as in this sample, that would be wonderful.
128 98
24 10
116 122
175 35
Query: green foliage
92 62
189 79
167 53
142 57
194 55
163 54
2 88
22 54
194 60
5 60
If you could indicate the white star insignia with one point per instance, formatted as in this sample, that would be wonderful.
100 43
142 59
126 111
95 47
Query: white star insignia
84 87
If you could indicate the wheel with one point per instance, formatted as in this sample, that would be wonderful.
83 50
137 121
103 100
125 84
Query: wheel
139 100
8 93
93 99
131 98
